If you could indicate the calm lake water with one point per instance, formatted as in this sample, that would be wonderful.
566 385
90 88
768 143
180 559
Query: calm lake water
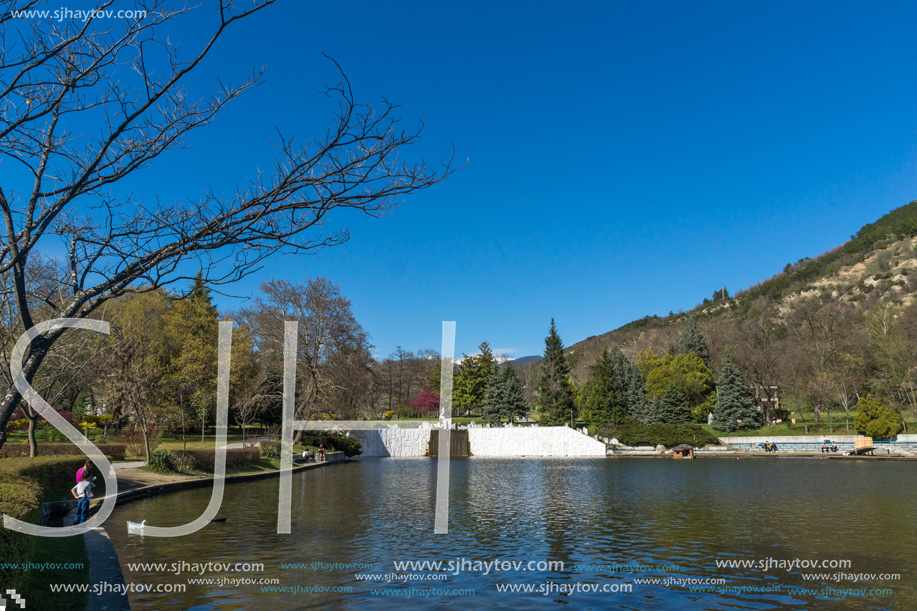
608 513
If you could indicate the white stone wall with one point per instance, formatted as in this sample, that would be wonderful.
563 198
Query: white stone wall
507 441
532 441
394 442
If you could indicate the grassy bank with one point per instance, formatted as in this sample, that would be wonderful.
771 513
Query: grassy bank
25 483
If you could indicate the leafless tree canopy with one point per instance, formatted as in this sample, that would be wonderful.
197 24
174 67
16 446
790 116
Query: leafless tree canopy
86 104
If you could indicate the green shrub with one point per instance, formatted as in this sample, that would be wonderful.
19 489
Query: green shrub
875 419
204 459
350 446
270 449
669 435
163 461
114 451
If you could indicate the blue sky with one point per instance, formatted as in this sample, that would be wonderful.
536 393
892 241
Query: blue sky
624 158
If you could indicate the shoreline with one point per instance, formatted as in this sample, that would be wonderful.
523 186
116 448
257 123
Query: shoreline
104 561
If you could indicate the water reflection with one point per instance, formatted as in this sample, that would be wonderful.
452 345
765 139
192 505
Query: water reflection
581 512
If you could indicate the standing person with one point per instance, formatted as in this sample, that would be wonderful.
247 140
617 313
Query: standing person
321 452
87 467
82 492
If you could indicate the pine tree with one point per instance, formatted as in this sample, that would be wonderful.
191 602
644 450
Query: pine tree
674 406
604 399
621 366
494 395
514 404
635 395
736 408
692 340
200 291
555 400
652 411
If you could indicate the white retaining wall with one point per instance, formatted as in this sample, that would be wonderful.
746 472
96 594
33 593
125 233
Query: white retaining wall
532 441
394 442
507 441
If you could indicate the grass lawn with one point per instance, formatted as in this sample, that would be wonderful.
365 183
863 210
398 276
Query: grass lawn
195 443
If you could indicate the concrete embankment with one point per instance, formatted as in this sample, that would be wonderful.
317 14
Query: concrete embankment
482 441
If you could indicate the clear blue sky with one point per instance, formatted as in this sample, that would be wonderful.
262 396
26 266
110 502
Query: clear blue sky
625 158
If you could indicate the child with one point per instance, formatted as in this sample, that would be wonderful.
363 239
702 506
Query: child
82 492
87 466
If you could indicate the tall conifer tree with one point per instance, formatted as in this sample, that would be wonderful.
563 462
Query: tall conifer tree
674 405
604 399
494 395
692 340
555 400
514 405
735 406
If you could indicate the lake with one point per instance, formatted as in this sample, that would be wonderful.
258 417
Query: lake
631 533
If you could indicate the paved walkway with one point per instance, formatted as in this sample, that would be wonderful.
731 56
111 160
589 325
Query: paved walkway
104 570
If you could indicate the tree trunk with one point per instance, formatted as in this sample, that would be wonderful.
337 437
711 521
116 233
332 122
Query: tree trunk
146 443
37 353
33 444
184 443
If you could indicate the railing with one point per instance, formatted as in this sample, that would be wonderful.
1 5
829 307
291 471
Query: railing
885 443
818 446
794 446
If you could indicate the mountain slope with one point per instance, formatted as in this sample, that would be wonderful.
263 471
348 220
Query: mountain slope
877 264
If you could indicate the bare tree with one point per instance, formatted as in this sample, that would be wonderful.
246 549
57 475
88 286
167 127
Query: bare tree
65 373
333 360
758 355
87 104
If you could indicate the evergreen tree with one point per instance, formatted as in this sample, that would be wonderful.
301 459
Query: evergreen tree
635 395
514 404
734 401
200 290
470 379
494 395
555 399
652 411
621 366
674 406
603 399
692 340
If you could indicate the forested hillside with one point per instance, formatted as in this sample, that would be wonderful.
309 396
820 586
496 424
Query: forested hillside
821 334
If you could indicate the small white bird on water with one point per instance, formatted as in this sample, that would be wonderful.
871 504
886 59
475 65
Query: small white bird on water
135 528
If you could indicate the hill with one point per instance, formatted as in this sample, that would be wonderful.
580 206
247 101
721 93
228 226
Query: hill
825 330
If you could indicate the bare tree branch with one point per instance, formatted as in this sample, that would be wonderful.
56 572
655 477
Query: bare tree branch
124 80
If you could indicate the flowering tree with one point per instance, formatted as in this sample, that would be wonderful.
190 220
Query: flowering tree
427 401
